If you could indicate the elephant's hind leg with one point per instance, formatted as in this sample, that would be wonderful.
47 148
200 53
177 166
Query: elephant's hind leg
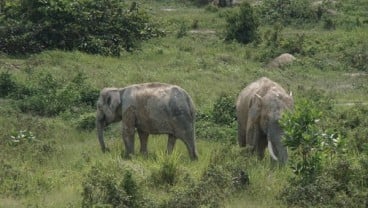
170 143
128 138
143 137
189 142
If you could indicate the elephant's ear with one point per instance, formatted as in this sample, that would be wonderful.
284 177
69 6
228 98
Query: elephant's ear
253 122
113 100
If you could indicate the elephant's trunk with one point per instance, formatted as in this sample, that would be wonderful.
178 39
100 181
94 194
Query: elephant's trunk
277 150
100 124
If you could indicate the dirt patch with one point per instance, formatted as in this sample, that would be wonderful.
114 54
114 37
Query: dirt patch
202 32
359 74
168 9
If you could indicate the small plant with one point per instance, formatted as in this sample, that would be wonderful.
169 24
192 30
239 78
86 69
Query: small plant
20 137
183 30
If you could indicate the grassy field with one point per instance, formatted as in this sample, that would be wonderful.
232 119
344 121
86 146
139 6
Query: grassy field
53 171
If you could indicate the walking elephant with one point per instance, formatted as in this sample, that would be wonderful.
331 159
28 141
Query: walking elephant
259 107
149 108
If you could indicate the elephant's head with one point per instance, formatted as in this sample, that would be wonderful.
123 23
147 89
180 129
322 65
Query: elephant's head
108 111
272 105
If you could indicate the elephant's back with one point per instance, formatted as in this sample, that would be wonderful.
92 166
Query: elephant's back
159 100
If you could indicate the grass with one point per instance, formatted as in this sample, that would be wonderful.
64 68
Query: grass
203 65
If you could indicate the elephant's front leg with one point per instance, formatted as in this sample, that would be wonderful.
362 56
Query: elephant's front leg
143 137
128 138
170 143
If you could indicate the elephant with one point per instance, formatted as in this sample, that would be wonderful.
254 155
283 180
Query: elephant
259 107
149 108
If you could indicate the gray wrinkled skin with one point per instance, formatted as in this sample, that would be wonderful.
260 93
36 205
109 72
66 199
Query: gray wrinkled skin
150 108
259 107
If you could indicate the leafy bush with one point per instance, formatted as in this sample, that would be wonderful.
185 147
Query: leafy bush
287 11
7 84
242 25
224 175
97 27
223 111
46 96
324 174
302 136
86 122
357 57
340 185
218 124
102 188
353 124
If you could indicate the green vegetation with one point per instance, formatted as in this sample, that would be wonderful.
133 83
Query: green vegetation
50 156
97 27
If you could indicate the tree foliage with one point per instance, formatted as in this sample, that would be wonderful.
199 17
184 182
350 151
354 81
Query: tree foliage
98 27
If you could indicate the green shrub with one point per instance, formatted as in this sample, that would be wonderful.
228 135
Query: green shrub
86 122
168 170
183 30
356 57
352 123
340 185
7 84
325 176
102 188
223 111
219 123
46 96
98 27
242 25
224 175
287 11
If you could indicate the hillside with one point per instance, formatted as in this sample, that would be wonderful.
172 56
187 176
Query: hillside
50 155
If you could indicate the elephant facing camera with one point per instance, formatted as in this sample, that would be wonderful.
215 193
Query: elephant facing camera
259 108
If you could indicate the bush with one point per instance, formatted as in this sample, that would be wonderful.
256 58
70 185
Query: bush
357 57
97 27
287 11
223 111
242 25
87 122
101 188
218 124
224 175
340 185
168 171
47 96
7 84
324 174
